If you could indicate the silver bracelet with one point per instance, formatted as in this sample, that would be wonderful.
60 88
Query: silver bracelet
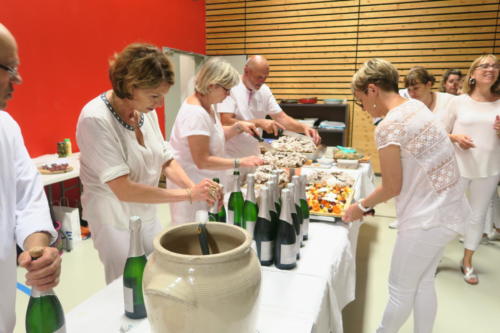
363 208
236 163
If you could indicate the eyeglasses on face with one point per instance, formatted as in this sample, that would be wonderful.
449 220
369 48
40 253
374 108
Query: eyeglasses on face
486 66
225 89
13 72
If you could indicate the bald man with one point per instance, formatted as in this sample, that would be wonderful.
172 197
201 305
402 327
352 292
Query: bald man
24 211
252 100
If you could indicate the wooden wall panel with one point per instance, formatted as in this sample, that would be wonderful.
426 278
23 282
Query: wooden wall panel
315 46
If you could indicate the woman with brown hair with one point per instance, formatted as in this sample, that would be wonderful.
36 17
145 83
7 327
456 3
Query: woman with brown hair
451 82
473 121
123 154
418 167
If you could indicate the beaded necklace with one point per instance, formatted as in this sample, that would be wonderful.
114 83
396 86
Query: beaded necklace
117 116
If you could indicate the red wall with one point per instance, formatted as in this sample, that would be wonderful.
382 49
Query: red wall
64 47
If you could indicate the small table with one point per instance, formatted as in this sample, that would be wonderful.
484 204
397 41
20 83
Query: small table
49 180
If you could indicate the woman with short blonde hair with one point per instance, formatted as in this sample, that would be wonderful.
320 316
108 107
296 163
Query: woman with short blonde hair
418 167
198 136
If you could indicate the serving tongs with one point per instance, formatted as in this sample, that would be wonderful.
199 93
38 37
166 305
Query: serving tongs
267 146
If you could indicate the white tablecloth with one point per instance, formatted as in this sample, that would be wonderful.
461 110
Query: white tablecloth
309 298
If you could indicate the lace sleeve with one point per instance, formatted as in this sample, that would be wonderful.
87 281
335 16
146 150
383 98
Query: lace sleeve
389 133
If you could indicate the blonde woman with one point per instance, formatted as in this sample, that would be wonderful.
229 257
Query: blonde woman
198 136
473 121
123 154
418 168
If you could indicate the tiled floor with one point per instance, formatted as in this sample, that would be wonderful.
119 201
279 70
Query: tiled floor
462 308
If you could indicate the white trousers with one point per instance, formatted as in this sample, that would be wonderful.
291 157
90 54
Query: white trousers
415 258
112 244
493 214
480 192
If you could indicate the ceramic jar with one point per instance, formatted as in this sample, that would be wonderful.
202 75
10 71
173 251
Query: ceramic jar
186 292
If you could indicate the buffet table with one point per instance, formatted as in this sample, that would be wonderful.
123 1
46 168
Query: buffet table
309 298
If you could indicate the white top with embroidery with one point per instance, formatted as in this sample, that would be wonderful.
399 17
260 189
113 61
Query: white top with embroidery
467 116
432 192
247 105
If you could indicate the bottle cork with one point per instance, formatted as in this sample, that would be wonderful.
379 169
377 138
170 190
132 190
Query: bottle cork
36 252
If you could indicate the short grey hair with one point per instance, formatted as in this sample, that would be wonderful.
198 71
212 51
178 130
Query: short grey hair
216 71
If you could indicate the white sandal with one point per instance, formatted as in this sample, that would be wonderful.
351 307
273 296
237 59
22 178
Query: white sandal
469 275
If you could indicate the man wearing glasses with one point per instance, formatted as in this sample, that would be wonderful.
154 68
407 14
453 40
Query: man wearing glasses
24 211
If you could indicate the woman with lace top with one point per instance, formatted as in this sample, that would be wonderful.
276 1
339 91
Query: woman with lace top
123 155
473 121
419 168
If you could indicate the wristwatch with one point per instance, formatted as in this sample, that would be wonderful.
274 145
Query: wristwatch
363 208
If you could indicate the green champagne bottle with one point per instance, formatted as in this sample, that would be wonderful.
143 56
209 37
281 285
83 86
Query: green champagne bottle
132 274
272 208
264 230
285 256
250 208
212 211
296 198
45 313
304 206
295 218
221 215
236 202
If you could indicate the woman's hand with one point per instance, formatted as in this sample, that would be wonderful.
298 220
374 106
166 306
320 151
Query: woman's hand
464 141
207 190
353 213
251 161
247 127
496 125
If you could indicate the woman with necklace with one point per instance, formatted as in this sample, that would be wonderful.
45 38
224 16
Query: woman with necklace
198 137
418 169
123 155
473 121
419 83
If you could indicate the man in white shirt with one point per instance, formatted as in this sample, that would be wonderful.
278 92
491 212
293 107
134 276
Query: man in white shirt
24 211
252 100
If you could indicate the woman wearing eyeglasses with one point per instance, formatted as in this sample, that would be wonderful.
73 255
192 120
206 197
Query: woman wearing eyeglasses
123 154
473 121
198 136
419 169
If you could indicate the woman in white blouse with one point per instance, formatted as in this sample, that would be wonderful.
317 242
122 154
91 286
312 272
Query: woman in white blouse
419 83
198 136
473 121
419 168
123 154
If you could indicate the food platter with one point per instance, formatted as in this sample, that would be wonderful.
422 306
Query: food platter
53 172
327 200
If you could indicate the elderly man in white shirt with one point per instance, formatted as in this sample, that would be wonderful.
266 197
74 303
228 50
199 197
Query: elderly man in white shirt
252 100
24 211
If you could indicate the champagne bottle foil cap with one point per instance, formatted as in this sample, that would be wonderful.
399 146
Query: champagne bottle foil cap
135 223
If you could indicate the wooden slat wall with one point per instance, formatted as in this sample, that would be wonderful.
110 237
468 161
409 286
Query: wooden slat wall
315 46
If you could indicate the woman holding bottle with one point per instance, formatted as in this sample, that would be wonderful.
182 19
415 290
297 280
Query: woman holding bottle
123 154
473 121
418 167
198 136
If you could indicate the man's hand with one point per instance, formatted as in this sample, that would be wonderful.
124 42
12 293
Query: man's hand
43 273
313 134
270 126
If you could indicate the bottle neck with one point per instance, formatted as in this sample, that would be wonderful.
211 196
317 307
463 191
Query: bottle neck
251 191
136 248
298 190
285 214
236 183
37 293
264 204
